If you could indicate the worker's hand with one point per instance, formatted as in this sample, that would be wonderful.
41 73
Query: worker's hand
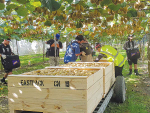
83 53
0 55
3 56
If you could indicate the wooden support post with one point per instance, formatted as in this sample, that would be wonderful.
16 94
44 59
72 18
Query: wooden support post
17 47
43 48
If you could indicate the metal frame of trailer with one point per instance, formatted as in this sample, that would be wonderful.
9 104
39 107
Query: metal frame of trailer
119 97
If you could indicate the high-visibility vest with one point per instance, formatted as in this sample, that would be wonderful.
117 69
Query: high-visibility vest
113 55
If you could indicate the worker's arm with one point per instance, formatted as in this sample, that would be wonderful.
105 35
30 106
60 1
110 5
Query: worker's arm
125 46
99 57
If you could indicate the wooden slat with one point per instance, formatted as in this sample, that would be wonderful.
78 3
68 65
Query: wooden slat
108 76
94 88
108 68
61 94
95 77
53 106
108 85
95 99
74 83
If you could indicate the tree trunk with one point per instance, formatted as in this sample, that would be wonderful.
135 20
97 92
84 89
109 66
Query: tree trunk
67 41
43 48
148 51
17 47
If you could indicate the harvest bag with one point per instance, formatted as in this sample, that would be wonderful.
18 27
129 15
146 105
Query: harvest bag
11 62
133 54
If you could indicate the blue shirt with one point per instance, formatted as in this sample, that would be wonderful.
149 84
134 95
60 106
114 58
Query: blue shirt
70 55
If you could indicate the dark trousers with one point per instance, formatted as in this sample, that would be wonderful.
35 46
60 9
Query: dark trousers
118 71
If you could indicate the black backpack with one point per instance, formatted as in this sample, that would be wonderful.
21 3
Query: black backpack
86 48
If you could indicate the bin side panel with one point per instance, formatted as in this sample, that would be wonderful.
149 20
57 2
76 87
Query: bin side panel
109 84
51 106
45 93
94 78
94 88
47 82
94 100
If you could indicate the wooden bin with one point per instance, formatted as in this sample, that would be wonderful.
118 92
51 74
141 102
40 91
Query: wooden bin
108 73
55 94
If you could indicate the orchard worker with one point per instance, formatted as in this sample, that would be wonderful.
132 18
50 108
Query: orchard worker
72 52
55 45
5 50
133 54
85 49
112 55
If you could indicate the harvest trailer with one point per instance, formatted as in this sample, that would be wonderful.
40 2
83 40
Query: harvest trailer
76 87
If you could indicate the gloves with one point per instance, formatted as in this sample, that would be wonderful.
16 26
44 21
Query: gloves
3 56
83 53
128 48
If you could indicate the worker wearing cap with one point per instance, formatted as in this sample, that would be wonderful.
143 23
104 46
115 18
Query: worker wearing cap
5 50
112 55
130 45
54 57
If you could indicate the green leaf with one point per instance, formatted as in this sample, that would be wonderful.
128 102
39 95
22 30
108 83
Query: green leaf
31 27
68 8
2 6
14 36
123 4
69 29
104 34
105 2
52 5
48 23
21 11
56 31
11 6
10 31
86 32
59 17
30 7
2 32
132 13
114 7
3 25
69 1
8 12
36 3
62 8
89 4
21 1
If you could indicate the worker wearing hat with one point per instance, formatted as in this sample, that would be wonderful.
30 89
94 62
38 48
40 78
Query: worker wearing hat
129 46
53 53
112 55
5 50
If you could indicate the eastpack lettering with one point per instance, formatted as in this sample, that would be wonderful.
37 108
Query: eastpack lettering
30 82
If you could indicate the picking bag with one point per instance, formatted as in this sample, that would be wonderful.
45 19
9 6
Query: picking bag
133 54
11 62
